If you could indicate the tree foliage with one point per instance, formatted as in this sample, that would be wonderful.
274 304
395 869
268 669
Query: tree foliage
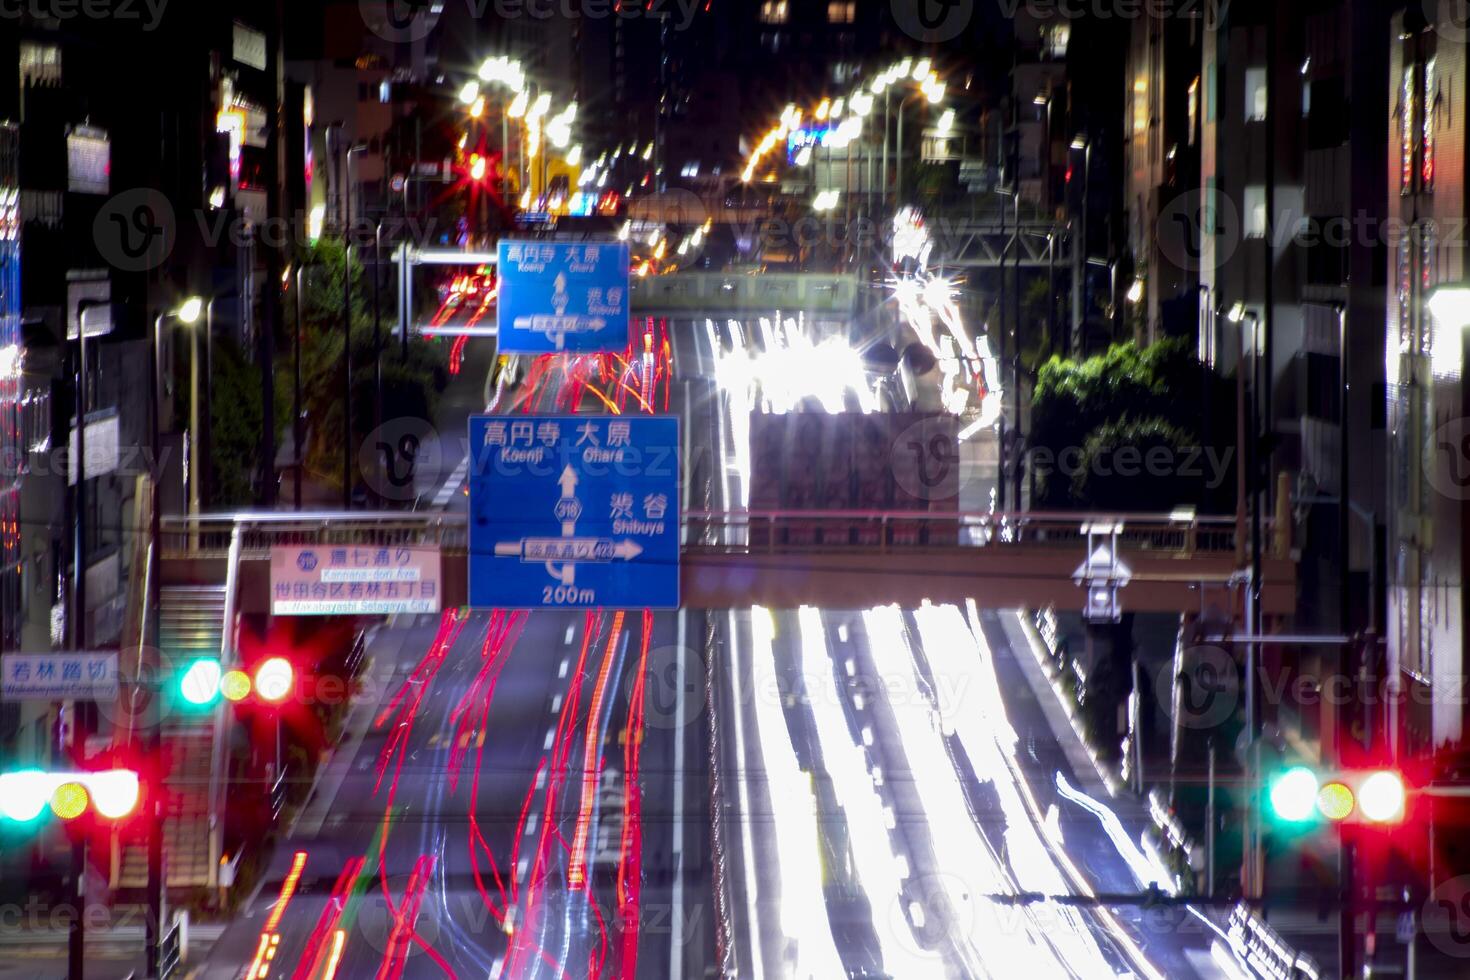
411 386
235 425
1157 400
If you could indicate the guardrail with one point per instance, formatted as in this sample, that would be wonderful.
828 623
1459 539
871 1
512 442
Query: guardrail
724 532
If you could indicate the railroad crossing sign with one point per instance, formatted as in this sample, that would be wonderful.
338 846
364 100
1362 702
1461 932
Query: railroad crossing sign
574 511
560 296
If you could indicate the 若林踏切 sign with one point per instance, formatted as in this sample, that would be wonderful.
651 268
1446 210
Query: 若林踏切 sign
348 580
59 676
557 296
574 512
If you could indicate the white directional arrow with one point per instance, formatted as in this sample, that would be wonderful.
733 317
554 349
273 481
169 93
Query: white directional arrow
568 481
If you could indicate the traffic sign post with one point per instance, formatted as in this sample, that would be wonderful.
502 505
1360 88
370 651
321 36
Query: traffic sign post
574 512
558 296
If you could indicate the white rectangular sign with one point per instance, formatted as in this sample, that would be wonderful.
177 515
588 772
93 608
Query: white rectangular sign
336 580
103 437
63 675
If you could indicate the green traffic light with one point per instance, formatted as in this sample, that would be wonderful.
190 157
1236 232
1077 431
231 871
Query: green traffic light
200 684
1294 795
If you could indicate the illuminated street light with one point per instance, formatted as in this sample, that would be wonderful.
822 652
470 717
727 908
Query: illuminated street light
946 121
1450 305
477 107
190 309
469 92
921 70
517 107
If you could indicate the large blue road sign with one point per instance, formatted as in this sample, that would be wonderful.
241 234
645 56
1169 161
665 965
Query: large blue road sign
558 296
574 511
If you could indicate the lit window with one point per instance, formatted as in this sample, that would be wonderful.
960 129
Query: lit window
40 64
1140 106
1426 166
1193 109
1406 175
841 11
773 12
1255 211
1256 101
1057 37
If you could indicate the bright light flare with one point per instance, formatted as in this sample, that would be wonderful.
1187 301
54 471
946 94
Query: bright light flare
115 793
1381 797
200 683
1294 794
273 680
23 794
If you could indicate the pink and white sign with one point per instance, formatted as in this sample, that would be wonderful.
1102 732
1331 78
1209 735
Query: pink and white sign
334 580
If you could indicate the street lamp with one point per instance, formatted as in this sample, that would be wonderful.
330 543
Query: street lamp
154 897
933 94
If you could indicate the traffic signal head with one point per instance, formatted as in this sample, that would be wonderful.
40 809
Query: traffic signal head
113 794
1376 797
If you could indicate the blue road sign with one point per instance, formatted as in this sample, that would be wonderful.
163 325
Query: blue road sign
558 296
574 512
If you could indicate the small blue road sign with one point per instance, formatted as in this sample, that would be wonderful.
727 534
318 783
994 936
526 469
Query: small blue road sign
560 296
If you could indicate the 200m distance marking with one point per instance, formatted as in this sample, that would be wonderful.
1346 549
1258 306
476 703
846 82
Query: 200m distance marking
567 595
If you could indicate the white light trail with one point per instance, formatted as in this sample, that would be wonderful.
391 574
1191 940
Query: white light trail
880 872
803 907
